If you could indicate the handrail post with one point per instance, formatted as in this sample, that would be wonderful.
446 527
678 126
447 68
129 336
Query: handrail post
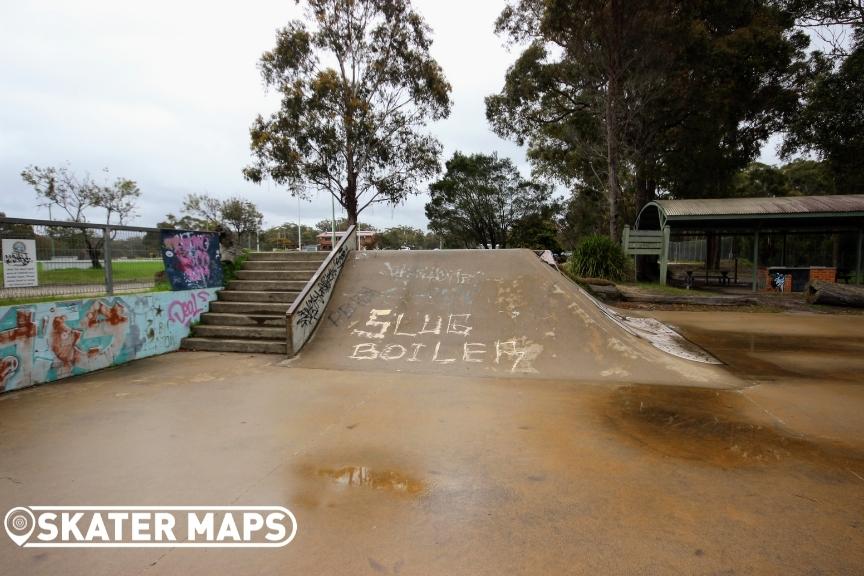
106 250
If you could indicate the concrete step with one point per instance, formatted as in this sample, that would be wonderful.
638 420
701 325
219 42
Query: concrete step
287 265
228 345
267 285
292 255
302 275
228 319
240 332
257 296
250 308
292 265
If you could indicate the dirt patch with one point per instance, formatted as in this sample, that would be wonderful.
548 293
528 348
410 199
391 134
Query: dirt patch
710 426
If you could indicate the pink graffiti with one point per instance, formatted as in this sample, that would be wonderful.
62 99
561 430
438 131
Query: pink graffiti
191 254
183 311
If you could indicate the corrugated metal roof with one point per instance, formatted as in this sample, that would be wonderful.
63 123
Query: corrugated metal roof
762 206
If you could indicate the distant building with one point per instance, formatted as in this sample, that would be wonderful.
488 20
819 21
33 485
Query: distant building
368 239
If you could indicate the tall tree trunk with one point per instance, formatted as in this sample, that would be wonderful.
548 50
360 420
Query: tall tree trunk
351 198
92 248
612 100
646 186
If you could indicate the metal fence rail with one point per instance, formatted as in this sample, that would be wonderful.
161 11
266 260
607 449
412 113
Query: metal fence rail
82 259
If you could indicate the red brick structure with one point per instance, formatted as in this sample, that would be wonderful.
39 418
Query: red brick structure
823 273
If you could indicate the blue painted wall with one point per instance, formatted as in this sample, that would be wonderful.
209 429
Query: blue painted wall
52 340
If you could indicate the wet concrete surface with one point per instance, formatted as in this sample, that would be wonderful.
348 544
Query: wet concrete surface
492 421
482 313
427 474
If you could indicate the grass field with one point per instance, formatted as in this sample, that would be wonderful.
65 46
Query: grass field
68 280
159 287
134 270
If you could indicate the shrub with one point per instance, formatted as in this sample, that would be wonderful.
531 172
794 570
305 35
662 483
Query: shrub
598 257
230 267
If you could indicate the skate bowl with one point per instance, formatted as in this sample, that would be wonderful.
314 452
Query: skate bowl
495 313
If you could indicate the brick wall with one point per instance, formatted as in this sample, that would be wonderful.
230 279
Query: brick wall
764 282
823 274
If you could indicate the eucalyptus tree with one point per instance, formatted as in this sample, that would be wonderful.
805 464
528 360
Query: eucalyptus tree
481 199
357 86
76 195
638 97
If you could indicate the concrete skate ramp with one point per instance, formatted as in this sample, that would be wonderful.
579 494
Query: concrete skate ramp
482 313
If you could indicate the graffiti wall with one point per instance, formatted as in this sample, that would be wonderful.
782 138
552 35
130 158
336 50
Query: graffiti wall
192 259
52 340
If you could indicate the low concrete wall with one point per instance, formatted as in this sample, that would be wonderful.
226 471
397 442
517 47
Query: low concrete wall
53 340
307 309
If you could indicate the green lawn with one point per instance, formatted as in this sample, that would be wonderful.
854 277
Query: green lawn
123 271
160 287
656 288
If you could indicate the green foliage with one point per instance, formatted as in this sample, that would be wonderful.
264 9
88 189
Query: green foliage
831 120
632 98
809 178
598 257
284 237
341 225
75 195
230 267
584 215
480 200
538 229
235 214
397 237
798 178
357 85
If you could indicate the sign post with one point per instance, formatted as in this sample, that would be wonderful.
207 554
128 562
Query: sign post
19 263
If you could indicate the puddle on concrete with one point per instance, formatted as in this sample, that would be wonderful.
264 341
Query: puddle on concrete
363 477
769 357
709 426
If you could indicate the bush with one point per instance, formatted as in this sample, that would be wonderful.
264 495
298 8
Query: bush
230 267
598 257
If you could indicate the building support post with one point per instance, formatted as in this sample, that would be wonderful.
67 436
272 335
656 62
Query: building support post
625 244
860 251
664 256
755 259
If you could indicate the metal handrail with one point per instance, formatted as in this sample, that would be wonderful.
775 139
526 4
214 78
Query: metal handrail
311 283
72 224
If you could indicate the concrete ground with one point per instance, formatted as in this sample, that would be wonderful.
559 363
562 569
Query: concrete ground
759 471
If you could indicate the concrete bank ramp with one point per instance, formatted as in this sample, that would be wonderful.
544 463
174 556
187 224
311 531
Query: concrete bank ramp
499 313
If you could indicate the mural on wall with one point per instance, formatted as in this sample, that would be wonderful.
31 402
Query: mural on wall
192 259
52 340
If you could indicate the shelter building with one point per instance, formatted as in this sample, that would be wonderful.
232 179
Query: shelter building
784 241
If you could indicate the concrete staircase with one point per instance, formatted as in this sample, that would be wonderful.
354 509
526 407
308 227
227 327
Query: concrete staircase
249 314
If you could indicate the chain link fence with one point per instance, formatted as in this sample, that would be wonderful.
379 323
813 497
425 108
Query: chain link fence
78 259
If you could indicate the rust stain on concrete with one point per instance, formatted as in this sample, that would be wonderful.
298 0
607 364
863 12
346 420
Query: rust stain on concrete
716 427
365 477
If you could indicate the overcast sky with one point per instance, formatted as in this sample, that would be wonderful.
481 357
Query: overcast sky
164 93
